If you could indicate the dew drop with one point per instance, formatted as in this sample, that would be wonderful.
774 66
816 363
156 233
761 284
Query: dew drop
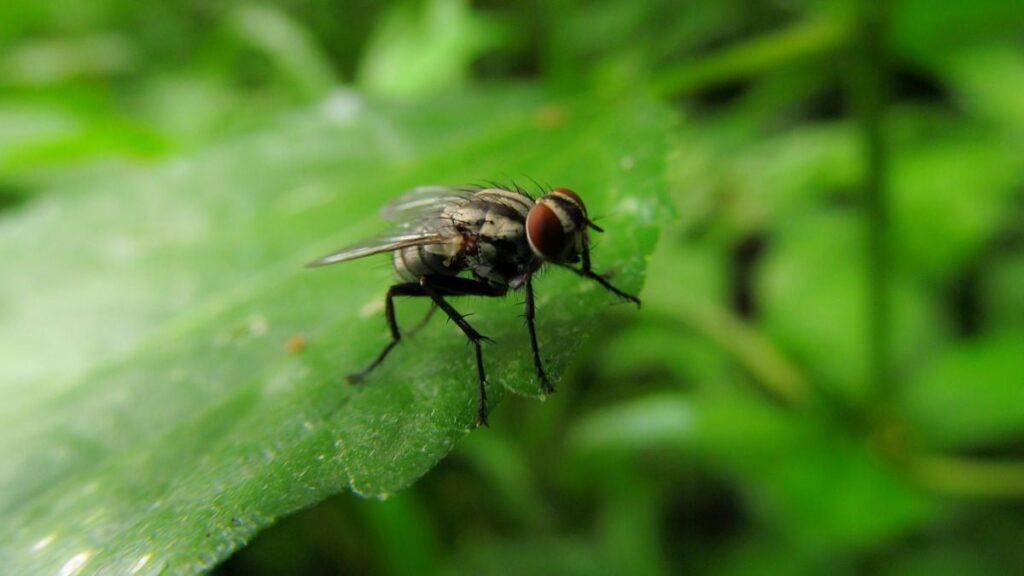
75 564
372 307
141 563
43 542
342 106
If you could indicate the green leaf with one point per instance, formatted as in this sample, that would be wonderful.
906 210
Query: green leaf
971 393
813 285
929 31
567 555
1003 292
990 78
38 137
749 186
42 62
159 406
823 489
424 48
937 227
715 343
287 44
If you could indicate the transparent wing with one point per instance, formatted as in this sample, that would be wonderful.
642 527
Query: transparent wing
419 219
381 244
424 203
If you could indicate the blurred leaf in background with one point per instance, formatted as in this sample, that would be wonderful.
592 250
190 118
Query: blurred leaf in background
422 49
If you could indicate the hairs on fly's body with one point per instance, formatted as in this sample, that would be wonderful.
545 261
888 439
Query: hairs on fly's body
513 186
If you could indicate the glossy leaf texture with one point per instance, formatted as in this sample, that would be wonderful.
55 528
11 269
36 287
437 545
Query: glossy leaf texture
172 375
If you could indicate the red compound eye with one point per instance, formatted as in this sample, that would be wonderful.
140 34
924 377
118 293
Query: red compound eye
545 233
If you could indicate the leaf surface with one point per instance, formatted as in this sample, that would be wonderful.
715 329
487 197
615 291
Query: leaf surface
172 375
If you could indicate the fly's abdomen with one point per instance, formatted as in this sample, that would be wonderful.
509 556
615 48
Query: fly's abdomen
413 262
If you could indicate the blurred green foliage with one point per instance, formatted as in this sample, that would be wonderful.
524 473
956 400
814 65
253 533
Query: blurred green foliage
767 411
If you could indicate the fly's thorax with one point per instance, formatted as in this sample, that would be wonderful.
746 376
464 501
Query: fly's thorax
517 201
556 226
494 223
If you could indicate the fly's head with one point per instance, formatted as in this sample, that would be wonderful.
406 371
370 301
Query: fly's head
556 227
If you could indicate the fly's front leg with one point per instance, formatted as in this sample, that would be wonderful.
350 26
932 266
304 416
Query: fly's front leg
407 289
530 314
439 286
585 271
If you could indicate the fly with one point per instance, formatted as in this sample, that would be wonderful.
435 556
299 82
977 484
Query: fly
477 241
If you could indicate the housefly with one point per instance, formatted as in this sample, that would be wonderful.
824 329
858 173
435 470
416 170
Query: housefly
477 241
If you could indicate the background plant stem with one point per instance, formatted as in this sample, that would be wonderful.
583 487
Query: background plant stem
868 94
966 477
770 369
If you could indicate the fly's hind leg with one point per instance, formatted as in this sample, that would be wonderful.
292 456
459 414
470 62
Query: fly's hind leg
407 289
430 313
439 286
436 287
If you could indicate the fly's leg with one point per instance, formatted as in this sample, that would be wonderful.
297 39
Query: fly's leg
439 286
545 384
436 287
407 289
585 271
606 284
423 322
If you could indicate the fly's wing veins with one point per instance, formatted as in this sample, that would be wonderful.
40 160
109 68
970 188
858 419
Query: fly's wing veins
424 203
380 244
419 217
